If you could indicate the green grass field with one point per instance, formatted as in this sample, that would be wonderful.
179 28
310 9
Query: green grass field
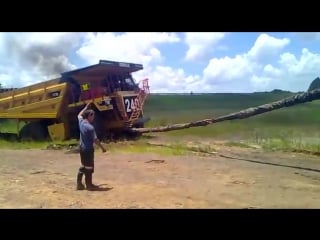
296 127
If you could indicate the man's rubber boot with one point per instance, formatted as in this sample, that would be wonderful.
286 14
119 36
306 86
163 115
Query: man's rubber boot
89 185
80 186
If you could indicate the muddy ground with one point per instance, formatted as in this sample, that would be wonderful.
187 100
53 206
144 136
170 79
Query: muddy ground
46 179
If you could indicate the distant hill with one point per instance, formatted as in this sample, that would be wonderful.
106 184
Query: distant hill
279 91
315 84
6 89
275 91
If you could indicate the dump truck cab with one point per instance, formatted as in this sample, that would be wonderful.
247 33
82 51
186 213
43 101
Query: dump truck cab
117 98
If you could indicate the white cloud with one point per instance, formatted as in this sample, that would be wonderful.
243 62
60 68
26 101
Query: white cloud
260 83
246 72
293 73
252 71
266 47
166 79
227 69
137 48
272 71
199 44
307 64
127 47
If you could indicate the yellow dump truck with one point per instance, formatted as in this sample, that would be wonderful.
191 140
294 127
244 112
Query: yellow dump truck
49 109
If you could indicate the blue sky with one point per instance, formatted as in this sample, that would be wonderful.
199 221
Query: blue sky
173 62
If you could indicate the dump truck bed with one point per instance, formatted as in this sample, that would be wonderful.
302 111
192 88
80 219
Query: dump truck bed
42 100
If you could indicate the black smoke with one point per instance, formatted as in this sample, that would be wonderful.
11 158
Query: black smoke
45 58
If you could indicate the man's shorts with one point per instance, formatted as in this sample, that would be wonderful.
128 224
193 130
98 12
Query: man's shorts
87 158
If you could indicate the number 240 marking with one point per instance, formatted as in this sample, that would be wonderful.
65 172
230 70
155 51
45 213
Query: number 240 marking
131 105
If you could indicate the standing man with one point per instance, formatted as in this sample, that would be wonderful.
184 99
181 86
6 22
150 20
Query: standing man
87 139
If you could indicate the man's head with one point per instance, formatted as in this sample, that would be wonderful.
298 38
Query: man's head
89 115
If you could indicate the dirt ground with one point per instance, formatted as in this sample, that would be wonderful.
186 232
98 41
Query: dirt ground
46 179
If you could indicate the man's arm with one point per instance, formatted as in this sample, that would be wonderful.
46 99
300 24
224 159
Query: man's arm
97 141
82 111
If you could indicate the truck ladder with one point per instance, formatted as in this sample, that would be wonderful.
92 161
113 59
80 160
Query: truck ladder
142 95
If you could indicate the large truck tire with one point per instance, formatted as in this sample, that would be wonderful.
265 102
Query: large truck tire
98 126
36 131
